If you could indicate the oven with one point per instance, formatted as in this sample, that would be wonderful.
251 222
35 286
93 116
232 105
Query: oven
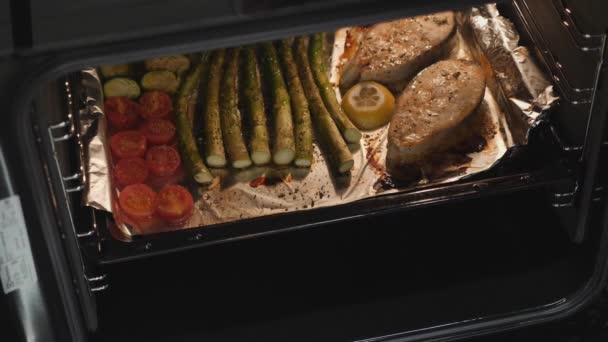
522 241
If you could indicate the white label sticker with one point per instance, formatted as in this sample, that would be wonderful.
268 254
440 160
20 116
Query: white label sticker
16 261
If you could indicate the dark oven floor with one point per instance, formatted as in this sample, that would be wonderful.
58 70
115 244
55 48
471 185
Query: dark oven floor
361 279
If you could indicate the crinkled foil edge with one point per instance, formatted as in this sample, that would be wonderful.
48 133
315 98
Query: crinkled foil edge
99 187
518 83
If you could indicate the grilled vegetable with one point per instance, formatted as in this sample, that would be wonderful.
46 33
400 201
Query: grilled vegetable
121 112
128 144
284 144
299 103
155 105
114 70
260 151
174 204
177 63
215 156
231 117
130 171
121 86
162 160
158 131
138 201
197 118
316 57
186 102
338 153
162 80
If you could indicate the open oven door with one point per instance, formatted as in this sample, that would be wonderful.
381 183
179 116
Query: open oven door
30 276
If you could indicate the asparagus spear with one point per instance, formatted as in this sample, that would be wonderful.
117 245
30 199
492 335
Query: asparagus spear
260 151
204 59
231 117
303 130
215 155
186 104
284 145
338 153
316 56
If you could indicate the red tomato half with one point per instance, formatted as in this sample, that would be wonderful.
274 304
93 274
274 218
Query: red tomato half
158 131
121 112
174 204
158 182
128 144
138 201
130 171
162 160
156 105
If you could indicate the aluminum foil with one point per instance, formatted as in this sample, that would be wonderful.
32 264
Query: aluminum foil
518 82
516 96
92 126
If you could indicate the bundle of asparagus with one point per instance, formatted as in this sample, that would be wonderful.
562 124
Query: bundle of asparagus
300 97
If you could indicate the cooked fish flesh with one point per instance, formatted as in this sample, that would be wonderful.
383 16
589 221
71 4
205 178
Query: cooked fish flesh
434 112
392 52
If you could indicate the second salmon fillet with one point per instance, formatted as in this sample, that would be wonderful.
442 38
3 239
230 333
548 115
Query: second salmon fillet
434 112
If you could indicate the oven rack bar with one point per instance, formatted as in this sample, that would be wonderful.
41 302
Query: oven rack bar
568 199
569 148
584 41
66 132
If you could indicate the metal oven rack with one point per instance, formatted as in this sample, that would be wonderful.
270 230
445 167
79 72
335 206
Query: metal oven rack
67 133
589 44
593 46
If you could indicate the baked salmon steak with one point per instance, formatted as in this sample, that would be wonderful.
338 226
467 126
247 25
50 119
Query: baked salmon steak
392 52
436 111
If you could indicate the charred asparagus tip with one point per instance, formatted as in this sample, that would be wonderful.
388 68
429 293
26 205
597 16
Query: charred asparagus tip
352 135
216 161
346 165
203 178
260 157
241 164
303 162
284 156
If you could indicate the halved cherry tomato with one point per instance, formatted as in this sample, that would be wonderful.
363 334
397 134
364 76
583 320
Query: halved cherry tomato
159 182
131 171
121 112
162 160
174 204
128 144
138 201
158 131
156 105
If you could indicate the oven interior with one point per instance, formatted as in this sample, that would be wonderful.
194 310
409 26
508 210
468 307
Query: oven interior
518 239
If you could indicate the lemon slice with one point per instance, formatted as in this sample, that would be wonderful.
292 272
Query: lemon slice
369 105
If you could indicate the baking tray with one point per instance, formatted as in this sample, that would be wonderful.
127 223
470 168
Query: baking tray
113 250
408 197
